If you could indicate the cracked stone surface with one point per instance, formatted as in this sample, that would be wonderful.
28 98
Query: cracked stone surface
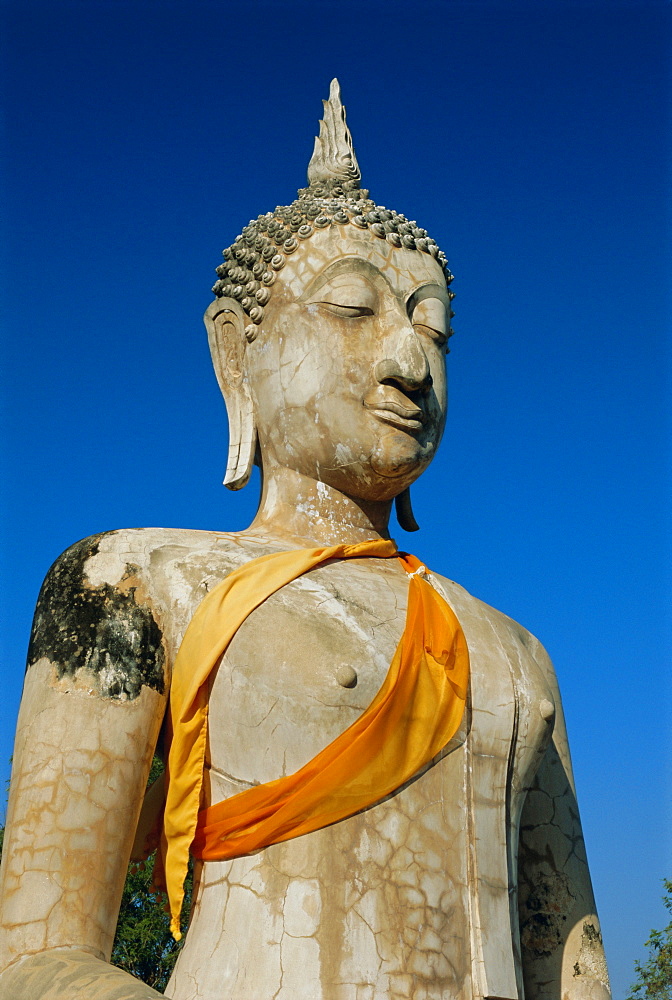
410 898
471 881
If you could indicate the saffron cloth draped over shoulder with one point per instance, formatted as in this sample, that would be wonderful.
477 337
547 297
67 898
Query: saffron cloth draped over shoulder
415 714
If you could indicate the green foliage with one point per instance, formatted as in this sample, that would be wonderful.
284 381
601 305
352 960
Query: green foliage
654 976
143 944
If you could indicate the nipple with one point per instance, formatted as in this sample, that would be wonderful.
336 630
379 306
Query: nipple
346 676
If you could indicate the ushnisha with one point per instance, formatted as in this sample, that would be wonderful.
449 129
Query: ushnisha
333 198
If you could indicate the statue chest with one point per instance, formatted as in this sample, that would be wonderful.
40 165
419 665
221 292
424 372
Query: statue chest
311 658
301 669
413 896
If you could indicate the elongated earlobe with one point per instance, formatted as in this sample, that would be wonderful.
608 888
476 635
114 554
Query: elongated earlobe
242 445
225 322
404 511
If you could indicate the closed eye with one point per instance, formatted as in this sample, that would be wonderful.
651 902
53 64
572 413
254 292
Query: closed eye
349 295
430 319
436 335
441 339
349 312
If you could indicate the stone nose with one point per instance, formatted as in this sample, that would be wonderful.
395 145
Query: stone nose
408 367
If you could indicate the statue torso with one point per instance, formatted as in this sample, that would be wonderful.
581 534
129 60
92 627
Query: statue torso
380 905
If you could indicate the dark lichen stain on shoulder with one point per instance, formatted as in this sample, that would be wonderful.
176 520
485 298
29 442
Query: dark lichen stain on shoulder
100 629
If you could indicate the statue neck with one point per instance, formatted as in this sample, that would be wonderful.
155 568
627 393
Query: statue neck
299 509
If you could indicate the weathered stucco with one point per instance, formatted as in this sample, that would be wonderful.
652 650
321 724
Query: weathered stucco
84 622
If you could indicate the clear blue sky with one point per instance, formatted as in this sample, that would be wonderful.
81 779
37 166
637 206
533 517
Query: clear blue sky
531 140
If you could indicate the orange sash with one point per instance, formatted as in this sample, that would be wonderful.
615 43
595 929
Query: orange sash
416 712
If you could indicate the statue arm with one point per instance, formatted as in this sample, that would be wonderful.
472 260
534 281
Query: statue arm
92 706
562 951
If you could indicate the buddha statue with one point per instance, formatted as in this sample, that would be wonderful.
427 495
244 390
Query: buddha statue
456 872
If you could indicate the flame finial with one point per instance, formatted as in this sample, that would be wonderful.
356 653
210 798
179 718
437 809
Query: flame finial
333 160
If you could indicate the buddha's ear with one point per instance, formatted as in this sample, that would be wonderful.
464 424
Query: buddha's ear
224 321
404 511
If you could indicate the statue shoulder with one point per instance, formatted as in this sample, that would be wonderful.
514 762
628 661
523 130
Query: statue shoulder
114 605
93 614
475 614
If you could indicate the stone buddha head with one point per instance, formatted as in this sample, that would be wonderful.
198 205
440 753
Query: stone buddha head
329 334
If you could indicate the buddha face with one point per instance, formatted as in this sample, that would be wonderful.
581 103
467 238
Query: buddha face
347 375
